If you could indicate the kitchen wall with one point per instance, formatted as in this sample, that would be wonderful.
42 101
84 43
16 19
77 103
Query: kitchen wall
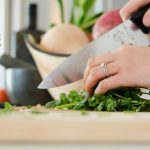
110 4
20 13
2 77
4 26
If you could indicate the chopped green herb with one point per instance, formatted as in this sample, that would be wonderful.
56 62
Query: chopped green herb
36 112
125 99
7 108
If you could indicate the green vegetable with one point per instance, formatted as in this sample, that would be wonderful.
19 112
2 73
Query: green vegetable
125 99
7 108
36 112
81 14
60 2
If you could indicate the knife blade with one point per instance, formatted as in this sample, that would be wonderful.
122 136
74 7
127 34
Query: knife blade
72 69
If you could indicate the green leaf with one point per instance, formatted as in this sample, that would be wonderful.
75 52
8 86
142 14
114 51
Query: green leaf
74 96
8 106
80 3
100 106
93 102
66 106
80 20
72 16
84 94
87 24
52 104
111 105
87 5
60 2
63 98
92 17
79 105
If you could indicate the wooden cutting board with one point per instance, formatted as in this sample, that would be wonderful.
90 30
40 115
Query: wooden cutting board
74 126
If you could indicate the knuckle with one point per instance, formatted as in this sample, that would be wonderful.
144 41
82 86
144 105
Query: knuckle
125 50
93 72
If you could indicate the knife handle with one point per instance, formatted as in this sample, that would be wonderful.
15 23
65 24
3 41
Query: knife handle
137 19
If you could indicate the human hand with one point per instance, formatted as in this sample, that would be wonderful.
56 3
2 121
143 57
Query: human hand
134 5
129 66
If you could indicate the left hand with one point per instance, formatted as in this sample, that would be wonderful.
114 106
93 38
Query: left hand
129 66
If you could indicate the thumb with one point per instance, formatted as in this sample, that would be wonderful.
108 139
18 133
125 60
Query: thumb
146 19
108 84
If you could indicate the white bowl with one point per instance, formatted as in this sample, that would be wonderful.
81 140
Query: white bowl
46 62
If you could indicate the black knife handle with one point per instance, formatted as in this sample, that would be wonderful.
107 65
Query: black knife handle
137 19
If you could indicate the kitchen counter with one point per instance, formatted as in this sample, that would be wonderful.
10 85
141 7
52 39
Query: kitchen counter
55 126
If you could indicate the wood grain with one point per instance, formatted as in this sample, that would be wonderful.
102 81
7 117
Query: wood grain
70 126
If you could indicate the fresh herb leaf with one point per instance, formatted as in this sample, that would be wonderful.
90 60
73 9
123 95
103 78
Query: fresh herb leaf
53 104
125 99
111 105
7 108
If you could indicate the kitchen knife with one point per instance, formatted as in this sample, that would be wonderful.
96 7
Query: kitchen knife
72 69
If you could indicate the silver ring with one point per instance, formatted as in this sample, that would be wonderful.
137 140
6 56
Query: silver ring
105 69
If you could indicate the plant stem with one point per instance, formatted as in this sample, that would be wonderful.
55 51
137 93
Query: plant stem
72 16
70 105
60 2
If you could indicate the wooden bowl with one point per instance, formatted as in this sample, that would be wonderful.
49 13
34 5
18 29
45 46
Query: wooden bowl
46 62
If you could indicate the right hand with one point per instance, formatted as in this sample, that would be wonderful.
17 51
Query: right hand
134 5
129 66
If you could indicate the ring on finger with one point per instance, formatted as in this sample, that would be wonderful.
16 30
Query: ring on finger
104 69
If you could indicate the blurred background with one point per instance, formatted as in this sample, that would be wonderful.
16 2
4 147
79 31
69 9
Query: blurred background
20 73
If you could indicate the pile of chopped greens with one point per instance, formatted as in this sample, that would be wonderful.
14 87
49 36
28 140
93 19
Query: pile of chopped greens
125 99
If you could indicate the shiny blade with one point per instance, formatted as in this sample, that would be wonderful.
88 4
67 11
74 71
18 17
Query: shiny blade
72 69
